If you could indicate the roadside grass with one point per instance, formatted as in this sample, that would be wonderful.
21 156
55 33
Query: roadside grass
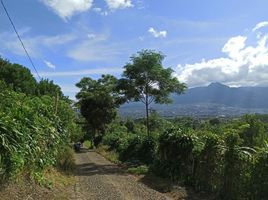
144 175
65 159
109 155
134 167
54 185
139 170
58 178
88 144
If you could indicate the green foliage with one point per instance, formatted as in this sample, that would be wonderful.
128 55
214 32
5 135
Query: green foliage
253 131
65 159
131 147
209 163
47 87
88 144
175 153
137 148
186 122
138 170
157 123
214 121
145 79
212 162
145 76
17 77
259 176
98 101
236 166
130 124
31 132
114 135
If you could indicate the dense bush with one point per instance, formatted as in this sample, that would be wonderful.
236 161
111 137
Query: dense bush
131 147
208 169
217 164
32 131
228 159
115 133
259 176
176 154
65 159
137 148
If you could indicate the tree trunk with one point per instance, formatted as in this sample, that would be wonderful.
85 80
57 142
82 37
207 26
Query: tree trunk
147 115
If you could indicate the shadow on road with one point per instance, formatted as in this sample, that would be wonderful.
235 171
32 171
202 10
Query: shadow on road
176 191
90 169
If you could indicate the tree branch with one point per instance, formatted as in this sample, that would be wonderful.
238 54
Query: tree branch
151 100
142 100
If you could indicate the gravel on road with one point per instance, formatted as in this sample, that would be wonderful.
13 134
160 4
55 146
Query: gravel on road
99 179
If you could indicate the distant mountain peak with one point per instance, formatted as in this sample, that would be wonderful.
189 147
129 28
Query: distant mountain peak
217 84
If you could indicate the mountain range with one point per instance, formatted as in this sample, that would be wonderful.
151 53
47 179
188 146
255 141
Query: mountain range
215 99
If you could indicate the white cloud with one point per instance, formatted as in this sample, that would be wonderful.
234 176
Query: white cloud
56 39
157 34
118 4
91 36
234 45
67 8
100 11
260 25
34 44
104 70
243 65
104 13
49 64
95 50
9 42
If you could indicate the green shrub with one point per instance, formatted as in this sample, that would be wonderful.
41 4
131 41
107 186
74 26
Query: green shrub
88 144
259 176
112 140
32 132
65 159
137 148
209 162
138 170
175 154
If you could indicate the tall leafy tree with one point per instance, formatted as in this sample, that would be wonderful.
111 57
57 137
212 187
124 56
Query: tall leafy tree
145 79
98 101
48 87
17 77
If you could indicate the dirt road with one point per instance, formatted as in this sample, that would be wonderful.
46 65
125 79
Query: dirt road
99 179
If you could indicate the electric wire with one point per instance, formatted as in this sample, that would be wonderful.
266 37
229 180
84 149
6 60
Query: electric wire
22 44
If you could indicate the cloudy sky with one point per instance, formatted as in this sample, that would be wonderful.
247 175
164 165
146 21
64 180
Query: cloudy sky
204 41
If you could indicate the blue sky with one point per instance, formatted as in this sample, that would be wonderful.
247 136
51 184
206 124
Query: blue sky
204 41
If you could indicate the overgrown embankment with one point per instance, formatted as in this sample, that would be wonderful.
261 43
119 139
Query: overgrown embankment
226 160
36 125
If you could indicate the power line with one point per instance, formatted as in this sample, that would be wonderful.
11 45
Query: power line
22 44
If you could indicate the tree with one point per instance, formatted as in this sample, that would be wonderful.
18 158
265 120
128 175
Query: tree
98 101
253 132
17 77
47 87
146 80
